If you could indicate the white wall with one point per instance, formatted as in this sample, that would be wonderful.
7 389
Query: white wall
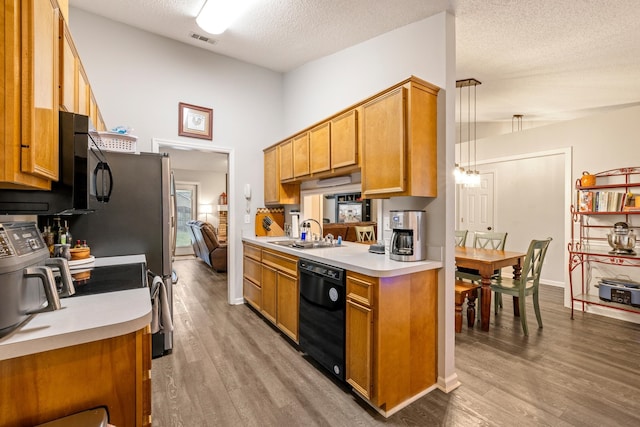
596 143
139 78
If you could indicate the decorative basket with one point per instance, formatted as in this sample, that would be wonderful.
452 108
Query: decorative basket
112 141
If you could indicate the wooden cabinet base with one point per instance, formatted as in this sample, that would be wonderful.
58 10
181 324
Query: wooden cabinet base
114 372
391 345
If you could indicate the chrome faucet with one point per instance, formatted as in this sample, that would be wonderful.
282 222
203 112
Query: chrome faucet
314 220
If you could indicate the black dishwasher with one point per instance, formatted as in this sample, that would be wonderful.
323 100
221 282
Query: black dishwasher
322 315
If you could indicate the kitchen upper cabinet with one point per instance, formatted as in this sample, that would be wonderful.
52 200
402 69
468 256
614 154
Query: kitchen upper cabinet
344 140
275 192
285 151
320 148
82 92
40 88
300 155
399 142
29 94
68 70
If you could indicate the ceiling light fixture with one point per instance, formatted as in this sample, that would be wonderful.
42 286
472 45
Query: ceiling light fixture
470 178
217 15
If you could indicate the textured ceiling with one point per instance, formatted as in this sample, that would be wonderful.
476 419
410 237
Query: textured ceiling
545 59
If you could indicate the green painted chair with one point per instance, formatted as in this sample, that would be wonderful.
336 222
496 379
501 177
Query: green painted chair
527 284
461 237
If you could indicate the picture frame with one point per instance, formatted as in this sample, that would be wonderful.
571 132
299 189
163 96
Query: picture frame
195 121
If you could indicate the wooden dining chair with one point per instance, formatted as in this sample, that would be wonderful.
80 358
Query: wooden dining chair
365 233
485 240
461 237
527 284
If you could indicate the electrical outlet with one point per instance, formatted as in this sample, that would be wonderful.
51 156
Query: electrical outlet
385 221
247 219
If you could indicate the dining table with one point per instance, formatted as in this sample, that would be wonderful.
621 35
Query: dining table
486 261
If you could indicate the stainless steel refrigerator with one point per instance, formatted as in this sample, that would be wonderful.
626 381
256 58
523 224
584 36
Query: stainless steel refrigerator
138 219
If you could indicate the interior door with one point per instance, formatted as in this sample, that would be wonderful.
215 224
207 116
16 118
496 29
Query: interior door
186 203
475 212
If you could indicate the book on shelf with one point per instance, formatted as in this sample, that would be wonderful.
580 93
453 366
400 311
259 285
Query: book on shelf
601 201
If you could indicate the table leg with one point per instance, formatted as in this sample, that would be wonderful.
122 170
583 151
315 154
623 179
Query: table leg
485 309
517 272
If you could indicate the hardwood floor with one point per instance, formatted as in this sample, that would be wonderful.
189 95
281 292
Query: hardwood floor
230 368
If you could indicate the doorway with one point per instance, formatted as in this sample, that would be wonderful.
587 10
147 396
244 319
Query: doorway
191 161
186 206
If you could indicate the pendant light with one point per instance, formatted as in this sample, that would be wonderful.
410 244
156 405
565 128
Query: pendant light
470 177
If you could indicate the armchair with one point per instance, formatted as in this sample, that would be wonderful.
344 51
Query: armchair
206 245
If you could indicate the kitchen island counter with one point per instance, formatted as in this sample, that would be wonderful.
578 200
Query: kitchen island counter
350 256
81 320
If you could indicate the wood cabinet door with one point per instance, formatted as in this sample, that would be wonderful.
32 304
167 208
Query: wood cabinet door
344 140
384 144
271 181
82 91
286 160
358 347
40 91
288 296
269 289
68 69
301 155
320 148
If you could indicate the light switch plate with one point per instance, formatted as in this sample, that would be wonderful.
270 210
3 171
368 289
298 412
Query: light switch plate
247 219
385 221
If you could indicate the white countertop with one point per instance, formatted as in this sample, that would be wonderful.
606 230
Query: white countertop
82 319
350 256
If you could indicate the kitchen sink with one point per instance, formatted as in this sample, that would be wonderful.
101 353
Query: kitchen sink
299 244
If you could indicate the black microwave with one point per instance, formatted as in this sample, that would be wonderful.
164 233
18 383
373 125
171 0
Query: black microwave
85 179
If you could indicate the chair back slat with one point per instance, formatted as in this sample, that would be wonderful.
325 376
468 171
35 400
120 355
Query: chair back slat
489 240
532 267
461 237
365 233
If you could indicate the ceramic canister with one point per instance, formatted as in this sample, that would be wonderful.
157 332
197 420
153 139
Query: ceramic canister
587 180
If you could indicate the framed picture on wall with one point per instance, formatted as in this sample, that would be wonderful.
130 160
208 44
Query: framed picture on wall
194 121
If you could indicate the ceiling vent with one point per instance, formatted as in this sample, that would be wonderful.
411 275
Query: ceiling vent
202 38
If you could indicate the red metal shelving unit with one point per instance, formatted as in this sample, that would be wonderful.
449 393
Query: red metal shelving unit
588 243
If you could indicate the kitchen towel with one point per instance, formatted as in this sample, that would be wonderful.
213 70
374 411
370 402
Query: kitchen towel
160 312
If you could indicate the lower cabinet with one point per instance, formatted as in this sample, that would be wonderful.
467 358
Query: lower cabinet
115 372
252 275
270 285
391 336
359 334
391 324
287 305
